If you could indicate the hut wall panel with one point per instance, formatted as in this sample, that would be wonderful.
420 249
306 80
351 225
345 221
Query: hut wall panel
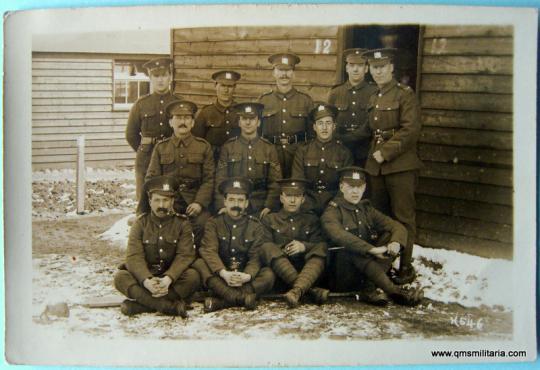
465 191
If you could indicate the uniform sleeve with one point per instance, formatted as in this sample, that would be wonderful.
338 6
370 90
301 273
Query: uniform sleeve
298 163
154 168
209 249
406 136
332 224
133 127
398 232
331 97
135 256
204 194
274 174
221 174
185 252
254 260
315 237
347 157
199 128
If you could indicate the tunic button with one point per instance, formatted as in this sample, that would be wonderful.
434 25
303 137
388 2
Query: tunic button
249 147
226 121
283 146
322 159
354 103
322 171
249 157
377 106
161 123
161 251
354 92
233 250
249 169
284 110
376 118
322 148
282 134
161 101
360 222
160 238
234 226
293 228
181 156
291 219
234 238
227 132
354 114
227 111
160 226
380 95
160 261
284 121
284 99
356 210
347 228
160 112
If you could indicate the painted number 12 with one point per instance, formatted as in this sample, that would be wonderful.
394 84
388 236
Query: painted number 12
322 46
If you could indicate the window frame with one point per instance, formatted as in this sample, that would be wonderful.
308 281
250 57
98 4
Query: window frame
126 79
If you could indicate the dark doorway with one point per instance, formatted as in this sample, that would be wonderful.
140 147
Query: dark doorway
402 37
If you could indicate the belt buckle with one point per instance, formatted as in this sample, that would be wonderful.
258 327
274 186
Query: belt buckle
284 140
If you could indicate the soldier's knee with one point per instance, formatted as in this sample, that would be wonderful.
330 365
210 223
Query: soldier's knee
192 277
123 280
203 270
268 252
268 277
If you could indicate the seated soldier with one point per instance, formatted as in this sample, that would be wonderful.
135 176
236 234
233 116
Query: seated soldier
230 264
157 273
297 245
354 224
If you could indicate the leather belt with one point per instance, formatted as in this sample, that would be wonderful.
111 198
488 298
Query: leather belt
145 140
284 139
383 135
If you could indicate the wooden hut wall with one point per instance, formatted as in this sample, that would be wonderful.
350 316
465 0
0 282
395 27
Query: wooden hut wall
199 52
464 197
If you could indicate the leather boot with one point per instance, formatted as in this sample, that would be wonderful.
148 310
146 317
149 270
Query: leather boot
132 308
292 297
319 295
229 294
405 275
285 270
249 297
212 304
408 296
160 304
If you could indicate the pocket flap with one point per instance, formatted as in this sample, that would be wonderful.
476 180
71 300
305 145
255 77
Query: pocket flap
166 158
387 106
269 112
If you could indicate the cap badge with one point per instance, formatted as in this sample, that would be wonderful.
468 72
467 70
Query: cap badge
285 60
356 175
248 109
293 183
228 76
377 54
166 187
321 108
236 184
357 52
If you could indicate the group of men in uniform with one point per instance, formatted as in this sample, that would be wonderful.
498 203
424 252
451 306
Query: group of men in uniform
284 179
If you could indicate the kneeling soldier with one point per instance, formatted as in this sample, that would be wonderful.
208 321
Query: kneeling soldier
354 224
157 273
230 264
297 245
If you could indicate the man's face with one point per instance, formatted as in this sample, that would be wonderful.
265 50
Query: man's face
248 125
181 124
283 77
352 193
291 202
160 79
235 204
356 72
161 204
382 74
324 128
224 92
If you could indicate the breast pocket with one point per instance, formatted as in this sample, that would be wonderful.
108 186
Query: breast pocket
148 119
298 121
311 168
195 164
234 165
150 246
387 115
166 160
342 105
270 125
261 169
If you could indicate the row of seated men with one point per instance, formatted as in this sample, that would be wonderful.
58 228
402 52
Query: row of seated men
240 255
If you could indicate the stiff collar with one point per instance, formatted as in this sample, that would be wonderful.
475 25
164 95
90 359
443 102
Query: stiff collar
230 222
320 144
361 85
289 94
387 87
220 107
284 215
340 200
162 95
243 140
186 141
160 221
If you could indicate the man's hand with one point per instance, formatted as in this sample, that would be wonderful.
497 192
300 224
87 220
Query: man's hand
164 284
294 247
193 209
378 156
264 212
222 211
245 278
232 278
378 251
393 248
152 285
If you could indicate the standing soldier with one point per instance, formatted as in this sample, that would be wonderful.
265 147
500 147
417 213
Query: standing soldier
319 160
285 118
217 122
157 273
352 99
230 265
296 245
393 162
147 121
355 225
189 159
251 157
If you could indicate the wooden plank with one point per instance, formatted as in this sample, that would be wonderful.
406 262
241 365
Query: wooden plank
467 83
89 136
71 80
463 137
72 101
71 94
126 163
80 122
79 115
469 46
83 64
71 143
487 65
252 33
77 129
63 58
474 174
71 108
206 97
90 150
465 208
72 73
89 157
465 226
318 62
466 191
479 247
468 31
72 87
465 101
457 154
248 47
301 78
472 120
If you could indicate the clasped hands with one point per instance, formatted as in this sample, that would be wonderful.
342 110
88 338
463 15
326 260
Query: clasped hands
234 278
157 286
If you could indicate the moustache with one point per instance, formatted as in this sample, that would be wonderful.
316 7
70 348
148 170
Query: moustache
236 209
162 209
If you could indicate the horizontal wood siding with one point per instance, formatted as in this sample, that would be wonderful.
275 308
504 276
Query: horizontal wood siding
199 52
72 95
466 97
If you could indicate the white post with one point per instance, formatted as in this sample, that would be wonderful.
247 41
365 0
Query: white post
81 183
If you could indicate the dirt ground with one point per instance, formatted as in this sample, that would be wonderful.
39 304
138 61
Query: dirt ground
71 264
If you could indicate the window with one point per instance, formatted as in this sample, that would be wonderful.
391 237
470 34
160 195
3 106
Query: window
130 83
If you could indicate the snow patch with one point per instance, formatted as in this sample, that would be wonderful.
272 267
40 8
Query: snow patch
92 174
118 232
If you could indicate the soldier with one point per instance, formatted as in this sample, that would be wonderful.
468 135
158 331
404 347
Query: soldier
251 157
393 163
189 159
319 160
354 224
296 245
147 122
217 122
285 118
352 99
230 264
157 273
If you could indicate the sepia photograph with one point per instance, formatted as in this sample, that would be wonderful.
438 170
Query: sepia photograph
271 185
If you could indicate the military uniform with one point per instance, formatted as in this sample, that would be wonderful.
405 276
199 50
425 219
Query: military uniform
148 124
285 121
159 247
395 122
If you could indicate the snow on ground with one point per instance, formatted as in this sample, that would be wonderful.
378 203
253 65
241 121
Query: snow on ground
92 174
